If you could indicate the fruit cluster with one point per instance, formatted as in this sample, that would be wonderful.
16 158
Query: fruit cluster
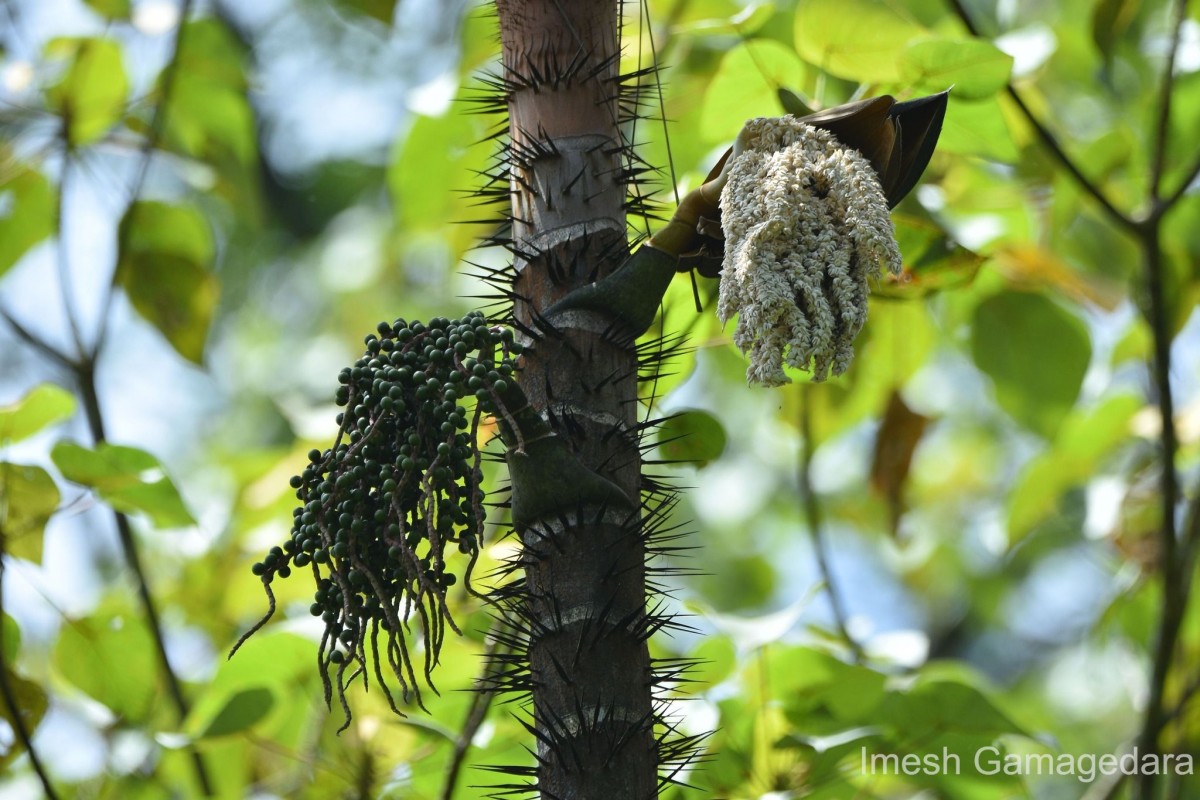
402 482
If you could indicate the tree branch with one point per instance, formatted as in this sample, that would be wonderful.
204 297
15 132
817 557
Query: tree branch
36 342
1050 141
1162 128
91 404
14 714
812 509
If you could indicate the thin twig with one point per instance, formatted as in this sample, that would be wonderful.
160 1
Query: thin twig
36 342
1162 127
1175 579
1050 141
62 260
14 715
91 404
812 509
1171 199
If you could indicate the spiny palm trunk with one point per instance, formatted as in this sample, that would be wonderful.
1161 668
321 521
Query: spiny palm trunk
583 602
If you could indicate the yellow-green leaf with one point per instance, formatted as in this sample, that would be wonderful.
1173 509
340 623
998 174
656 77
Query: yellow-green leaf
112 9
975 68
131 480
91 96
861 40
44 405
165 272
241 711
746 86
692 437
28 497
26 213
111 660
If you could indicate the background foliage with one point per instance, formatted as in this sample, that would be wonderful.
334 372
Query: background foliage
198 224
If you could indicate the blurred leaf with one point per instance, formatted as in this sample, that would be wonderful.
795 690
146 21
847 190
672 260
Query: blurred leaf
382 10
427 190
744 22
112 9
91 96
111 660
28 498
1087 436
716 659
820 692
129 479
861 40
1036 353
975 68
240 712
746 86
1111 19
31 702
933 261
1030 267
44 405
12 638
895 443
165 271
26 213
692 437
977 129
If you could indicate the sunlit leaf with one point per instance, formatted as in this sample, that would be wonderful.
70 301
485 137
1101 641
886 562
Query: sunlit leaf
44 405
975 68
112 9
861 40
12 638
240 712
165 271
112 660
1028 266
692 437
977 129
1036 353
26 213
31 702
746 85
91 95
744 22
129 479
28 497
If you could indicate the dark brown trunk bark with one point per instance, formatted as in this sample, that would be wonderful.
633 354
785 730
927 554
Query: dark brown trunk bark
585 582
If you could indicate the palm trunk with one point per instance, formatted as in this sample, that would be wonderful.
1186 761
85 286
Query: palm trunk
582 603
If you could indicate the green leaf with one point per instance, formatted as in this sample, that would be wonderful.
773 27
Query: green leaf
861 40
241 711
91 96
1111 20
428 173
822 691
44 405
746 85
165 271
31 702
12 638
28 497
129 479
1087 437
112 9
693 436
382 10
975 68
744 22
111 660
978 129
1036 353
26 213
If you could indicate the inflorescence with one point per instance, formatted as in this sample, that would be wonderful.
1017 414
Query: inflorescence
401 484
806 226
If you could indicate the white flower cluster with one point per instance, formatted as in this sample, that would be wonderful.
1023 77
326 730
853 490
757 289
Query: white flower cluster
806 224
